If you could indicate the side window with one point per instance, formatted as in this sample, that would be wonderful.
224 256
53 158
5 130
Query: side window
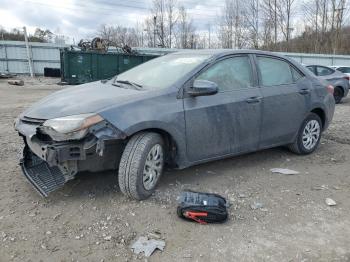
323 71
230 74
274 71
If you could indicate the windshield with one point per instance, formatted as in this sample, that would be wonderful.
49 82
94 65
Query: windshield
162 72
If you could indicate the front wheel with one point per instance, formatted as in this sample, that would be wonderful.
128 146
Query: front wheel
141 165
309 135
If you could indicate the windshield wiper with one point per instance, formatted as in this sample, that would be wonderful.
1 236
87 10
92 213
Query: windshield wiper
127 82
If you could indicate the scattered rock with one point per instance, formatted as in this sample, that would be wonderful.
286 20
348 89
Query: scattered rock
16 82
330 202
108 238
284 171
256 205
241 195
321 187
56 216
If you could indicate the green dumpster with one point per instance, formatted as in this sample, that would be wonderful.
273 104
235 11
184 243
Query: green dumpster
78 67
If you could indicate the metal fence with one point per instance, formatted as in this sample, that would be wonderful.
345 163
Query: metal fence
320 59
14 60
13 57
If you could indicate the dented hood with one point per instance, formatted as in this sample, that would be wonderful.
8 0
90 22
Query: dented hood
86 98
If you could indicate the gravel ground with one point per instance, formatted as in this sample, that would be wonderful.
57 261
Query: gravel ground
90 220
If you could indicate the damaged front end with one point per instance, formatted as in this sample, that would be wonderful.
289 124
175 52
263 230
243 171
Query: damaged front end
57 149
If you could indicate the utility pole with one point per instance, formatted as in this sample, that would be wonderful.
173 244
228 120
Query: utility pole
340 12
154 30
209 34
275 22
289 30
29 57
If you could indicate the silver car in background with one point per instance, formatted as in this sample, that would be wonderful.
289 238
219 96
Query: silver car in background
336 78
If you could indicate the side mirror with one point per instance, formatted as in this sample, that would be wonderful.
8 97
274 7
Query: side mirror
202 88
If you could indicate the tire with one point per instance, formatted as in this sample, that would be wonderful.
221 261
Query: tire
338 94
133 171
303 146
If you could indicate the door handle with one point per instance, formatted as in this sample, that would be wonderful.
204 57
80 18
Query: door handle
254 99
304 91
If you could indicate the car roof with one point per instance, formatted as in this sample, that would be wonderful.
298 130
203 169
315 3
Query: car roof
225 52
218 53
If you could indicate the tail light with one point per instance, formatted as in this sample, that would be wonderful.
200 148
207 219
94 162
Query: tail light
330 89
347 78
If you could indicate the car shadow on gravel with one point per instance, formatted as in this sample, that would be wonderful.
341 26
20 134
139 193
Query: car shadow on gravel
105 184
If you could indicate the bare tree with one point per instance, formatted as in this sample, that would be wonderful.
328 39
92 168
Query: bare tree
172 18
164 17
231 27
252 19
185 31
119 35
270 20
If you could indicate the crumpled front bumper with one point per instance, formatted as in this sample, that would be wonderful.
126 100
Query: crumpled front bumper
44 178
49 164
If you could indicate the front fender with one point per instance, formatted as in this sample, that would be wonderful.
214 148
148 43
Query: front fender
164 112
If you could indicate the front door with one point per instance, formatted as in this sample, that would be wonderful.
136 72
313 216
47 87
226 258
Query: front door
229 121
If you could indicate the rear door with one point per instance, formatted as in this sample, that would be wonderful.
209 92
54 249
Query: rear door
228 121
286 97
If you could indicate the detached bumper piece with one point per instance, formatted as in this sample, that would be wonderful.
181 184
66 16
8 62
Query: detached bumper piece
44 178
202 208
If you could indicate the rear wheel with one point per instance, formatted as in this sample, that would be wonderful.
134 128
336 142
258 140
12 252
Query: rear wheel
338 94
309 135
141 165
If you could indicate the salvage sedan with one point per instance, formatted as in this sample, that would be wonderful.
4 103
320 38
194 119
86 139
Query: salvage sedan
179 110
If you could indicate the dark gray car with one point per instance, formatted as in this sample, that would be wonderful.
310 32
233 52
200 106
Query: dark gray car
339 80
179 110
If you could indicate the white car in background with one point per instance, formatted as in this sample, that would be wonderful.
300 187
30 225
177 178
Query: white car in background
343 69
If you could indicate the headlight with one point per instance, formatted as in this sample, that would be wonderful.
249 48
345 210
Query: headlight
70 127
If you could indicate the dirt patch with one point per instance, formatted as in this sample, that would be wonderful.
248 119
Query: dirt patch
90 220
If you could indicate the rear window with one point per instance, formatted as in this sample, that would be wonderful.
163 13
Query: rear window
345 70
324 71
275 71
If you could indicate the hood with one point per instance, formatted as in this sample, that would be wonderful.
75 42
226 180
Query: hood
86 98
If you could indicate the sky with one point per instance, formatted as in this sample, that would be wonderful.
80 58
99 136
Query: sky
81 18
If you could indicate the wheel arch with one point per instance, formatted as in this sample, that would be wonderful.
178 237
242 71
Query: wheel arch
172 144
321 113
341 87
